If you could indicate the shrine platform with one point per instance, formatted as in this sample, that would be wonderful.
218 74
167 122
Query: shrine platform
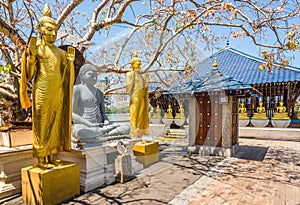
291 134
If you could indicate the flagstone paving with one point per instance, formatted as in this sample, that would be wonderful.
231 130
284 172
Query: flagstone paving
264 172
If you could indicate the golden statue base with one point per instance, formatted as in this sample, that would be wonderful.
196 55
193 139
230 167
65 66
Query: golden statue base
50 186
146 153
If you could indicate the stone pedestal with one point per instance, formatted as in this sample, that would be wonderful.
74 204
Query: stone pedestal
17 138
167 121
259 123
12 160
123 168
218 151
281 123
243 123
50 186
179 121
97 164
146 152
147 160
156 121
158 129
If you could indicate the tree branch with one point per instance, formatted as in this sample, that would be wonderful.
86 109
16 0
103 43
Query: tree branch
67 11
11 33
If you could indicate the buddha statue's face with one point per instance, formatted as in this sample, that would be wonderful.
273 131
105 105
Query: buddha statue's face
89 77
136 65
49 32
280 104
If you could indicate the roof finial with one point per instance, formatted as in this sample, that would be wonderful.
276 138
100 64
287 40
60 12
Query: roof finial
215 64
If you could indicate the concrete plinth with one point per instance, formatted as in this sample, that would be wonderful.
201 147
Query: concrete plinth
158 129
146 152
270 133
50 186
217 151
167 121
243 123
97 164
260 123
281 123
12 160
179 121
17 138
147 160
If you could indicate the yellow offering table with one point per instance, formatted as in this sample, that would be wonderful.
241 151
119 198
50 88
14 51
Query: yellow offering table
146 152
50 186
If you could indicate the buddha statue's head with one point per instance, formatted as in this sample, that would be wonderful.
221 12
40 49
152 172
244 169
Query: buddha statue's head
47 26
260 103
135 62
88 74
280 104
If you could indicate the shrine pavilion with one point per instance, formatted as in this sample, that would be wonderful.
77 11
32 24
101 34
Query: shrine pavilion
282 87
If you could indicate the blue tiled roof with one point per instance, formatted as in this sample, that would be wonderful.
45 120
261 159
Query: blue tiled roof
244 68
214 81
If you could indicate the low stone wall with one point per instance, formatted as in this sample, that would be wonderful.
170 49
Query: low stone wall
12 160
270 133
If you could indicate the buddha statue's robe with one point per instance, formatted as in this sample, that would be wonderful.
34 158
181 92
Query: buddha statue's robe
52 97
138 91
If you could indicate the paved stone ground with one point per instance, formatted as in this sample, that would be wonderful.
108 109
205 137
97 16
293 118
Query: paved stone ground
264 171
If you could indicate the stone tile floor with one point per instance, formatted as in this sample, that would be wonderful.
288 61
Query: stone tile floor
262 172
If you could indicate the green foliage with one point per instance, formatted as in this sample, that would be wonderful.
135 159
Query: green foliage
6 69
112 110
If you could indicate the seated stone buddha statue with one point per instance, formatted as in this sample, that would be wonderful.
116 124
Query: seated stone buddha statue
90 123
243 115
280 113
260 113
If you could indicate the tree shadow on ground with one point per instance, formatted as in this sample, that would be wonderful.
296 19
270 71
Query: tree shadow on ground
256 153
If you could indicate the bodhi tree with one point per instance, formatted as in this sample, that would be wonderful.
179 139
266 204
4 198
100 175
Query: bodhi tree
167 33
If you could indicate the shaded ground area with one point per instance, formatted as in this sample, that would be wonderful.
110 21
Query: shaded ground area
157 184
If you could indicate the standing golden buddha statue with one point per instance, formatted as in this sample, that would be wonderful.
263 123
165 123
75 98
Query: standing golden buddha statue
53 69
137 88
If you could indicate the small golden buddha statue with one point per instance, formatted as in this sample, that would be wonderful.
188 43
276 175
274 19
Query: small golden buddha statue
280 113
296 111
260 113
157 112
180 113
243 115
169 112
